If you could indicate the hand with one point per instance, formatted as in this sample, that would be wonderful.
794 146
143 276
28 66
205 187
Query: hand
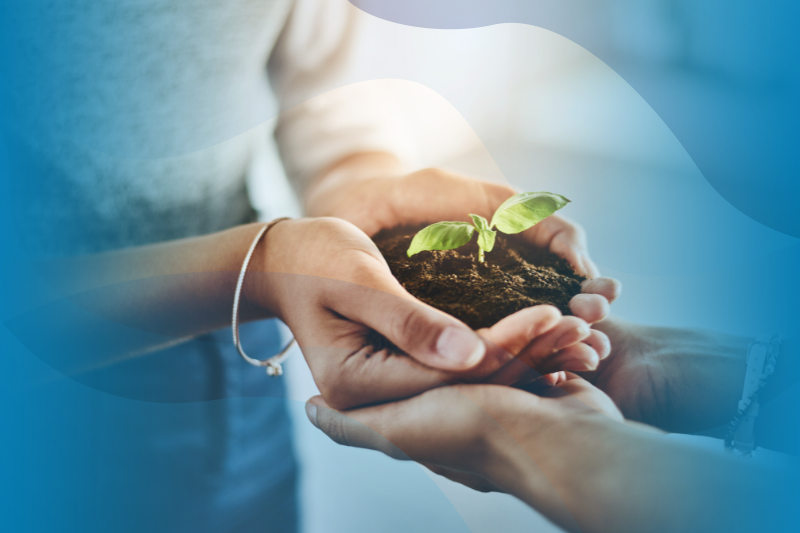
478 435
679 380
352 192
568 456
329 283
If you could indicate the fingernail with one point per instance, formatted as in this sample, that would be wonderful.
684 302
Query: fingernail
572 336
311 413
460 346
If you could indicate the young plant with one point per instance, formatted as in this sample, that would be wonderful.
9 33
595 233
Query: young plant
518 213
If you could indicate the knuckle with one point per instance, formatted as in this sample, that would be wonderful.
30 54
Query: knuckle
403 323
408 324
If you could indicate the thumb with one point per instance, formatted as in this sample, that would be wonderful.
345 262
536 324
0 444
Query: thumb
426 334
350 429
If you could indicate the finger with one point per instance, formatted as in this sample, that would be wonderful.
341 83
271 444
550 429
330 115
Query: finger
443 423
565 239
570 330
531 361
367 376
349 430
515 331
508 337
426 334
565 245
543 233
608 288
590 307
573 256
600 342
579 357
590 267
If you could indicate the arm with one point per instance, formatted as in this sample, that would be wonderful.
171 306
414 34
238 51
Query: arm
570 456
176 289
324 278
113 306
690 380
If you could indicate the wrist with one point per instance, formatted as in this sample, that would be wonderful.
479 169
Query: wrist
571 457
259 298
533 451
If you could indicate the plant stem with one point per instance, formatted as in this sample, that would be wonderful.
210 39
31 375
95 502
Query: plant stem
480 255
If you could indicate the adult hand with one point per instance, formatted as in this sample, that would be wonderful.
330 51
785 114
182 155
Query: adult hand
352 191
569 456
680 380
329 283
480 435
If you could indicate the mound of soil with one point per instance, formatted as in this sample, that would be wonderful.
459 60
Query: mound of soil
514 276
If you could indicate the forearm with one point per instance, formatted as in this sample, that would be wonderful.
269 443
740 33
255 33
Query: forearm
591 474
165 292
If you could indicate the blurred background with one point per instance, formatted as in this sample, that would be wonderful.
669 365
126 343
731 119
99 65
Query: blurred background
523 105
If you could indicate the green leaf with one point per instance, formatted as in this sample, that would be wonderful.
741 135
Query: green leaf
441 236
485 234
525 210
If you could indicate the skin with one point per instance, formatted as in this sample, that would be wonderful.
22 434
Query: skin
335 287
680 380
569 454
373 192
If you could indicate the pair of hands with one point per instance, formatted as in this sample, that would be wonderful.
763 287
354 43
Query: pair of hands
646 364
336 287
545 448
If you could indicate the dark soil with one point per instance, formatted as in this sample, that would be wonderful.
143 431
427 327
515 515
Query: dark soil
514 276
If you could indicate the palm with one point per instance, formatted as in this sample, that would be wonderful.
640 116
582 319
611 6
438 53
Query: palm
677 380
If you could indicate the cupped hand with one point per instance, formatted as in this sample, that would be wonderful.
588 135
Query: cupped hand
433 195
477 435
679 380
329 283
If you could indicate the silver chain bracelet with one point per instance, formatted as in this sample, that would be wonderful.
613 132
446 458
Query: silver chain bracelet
273 364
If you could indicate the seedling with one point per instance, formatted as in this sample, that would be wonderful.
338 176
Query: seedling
518 213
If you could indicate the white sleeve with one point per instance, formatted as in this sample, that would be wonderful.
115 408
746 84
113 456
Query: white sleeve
321 120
